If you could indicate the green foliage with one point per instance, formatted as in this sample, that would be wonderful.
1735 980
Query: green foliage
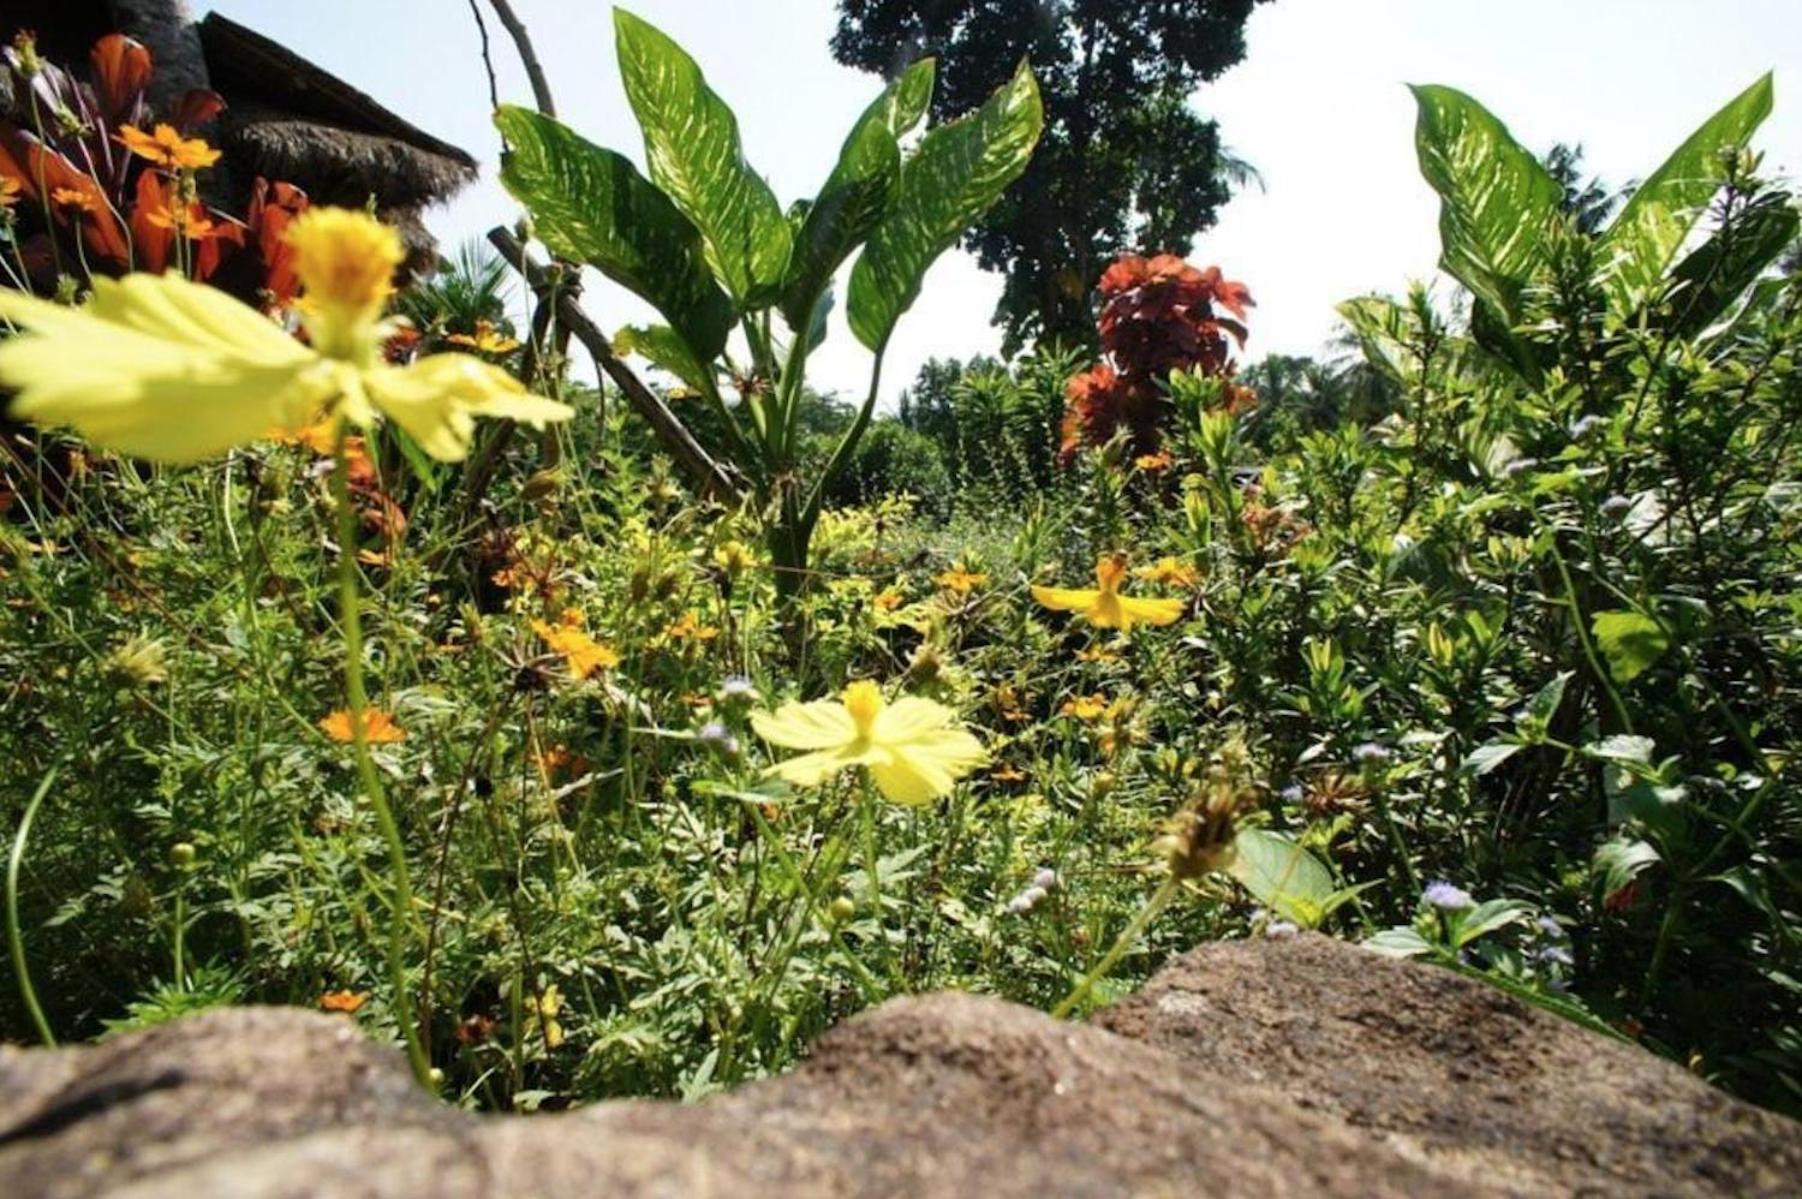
706 243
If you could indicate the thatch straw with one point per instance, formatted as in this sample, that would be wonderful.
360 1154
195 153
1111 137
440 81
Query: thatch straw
336 165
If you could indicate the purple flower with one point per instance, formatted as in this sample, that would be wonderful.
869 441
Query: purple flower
1046 879
718 738
1281 930
1616 505
1372 753
1556 955
1551 927
1446 897
736 688
1291 794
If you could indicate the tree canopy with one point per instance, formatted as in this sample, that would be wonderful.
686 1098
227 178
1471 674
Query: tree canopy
1125 163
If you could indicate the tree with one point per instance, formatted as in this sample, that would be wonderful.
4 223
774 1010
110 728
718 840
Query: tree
1125 163
1589 203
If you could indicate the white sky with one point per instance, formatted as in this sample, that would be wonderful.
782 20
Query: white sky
1318 105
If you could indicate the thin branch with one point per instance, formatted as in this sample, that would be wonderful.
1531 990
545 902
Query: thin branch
711 476
522 41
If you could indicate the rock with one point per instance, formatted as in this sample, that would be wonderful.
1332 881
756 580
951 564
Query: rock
1302 1067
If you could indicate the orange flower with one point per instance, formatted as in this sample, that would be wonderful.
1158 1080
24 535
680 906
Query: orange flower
76 200
1153 463
342 1001
960 581
583 654
1007 774
888 599
189 220
378 727
487 340
1097 653
167 148
9 191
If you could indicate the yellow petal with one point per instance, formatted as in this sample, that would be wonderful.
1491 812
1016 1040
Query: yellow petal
921 770
1065 599
909 717
157 371
1152 611
818 725
436 399
810 770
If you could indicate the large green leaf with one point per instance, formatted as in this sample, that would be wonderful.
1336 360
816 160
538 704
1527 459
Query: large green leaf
692 149
857 193
664 348
1713 276
959 170
1282 875
1631 641
1645 238
591 205
1495 200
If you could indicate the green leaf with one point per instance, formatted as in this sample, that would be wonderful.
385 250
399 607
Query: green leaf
1400 943
1496 201
910 96
1644 239
1544 704
1720 270
1486 917
1485 758
665 349
855 196
1618 863
959 170
591 205
1282 876
1631 641
692 150
1622 747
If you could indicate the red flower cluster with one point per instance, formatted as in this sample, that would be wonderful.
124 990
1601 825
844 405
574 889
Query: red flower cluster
1158 315
94 182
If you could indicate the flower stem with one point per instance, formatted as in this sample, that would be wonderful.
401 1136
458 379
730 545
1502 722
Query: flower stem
351 618
1128 937
15 940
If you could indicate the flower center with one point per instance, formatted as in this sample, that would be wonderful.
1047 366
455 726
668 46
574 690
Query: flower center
863 699
346 261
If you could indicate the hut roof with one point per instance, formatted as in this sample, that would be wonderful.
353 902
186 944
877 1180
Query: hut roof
288 119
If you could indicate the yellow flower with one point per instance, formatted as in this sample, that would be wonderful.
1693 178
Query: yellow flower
167 148
888 599
734 557
543 1012
1153 463
9 191
1105 607
960 581
913 748
158 367
486 339
1085 707
378 727
690 626
583 654
1169 572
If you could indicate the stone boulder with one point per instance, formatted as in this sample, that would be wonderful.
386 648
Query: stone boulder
1270 1068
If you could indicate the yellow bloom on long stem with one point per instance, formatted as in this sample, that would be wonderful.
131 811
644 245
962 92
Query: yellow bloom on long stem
166 147
161 368
583 653
913 748
1104 606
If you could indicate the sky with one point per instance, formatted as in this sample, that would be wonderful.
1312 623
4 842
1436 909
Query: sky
1319 106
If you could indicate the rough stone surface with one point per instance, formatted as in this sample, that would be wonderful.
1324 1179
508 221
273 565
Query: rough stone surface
1304 1067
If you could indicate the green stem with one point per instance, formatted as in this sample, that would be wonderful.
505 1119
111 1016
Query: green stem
1589 651
872 990
15 941
351 618
1129 936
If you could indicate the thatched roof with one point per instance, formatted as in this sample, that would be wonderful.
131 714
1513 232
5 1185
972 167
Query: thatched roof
287 119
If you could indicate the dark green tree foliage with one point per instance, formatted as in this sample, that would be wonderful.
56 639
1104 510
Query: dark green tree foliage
1124 164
